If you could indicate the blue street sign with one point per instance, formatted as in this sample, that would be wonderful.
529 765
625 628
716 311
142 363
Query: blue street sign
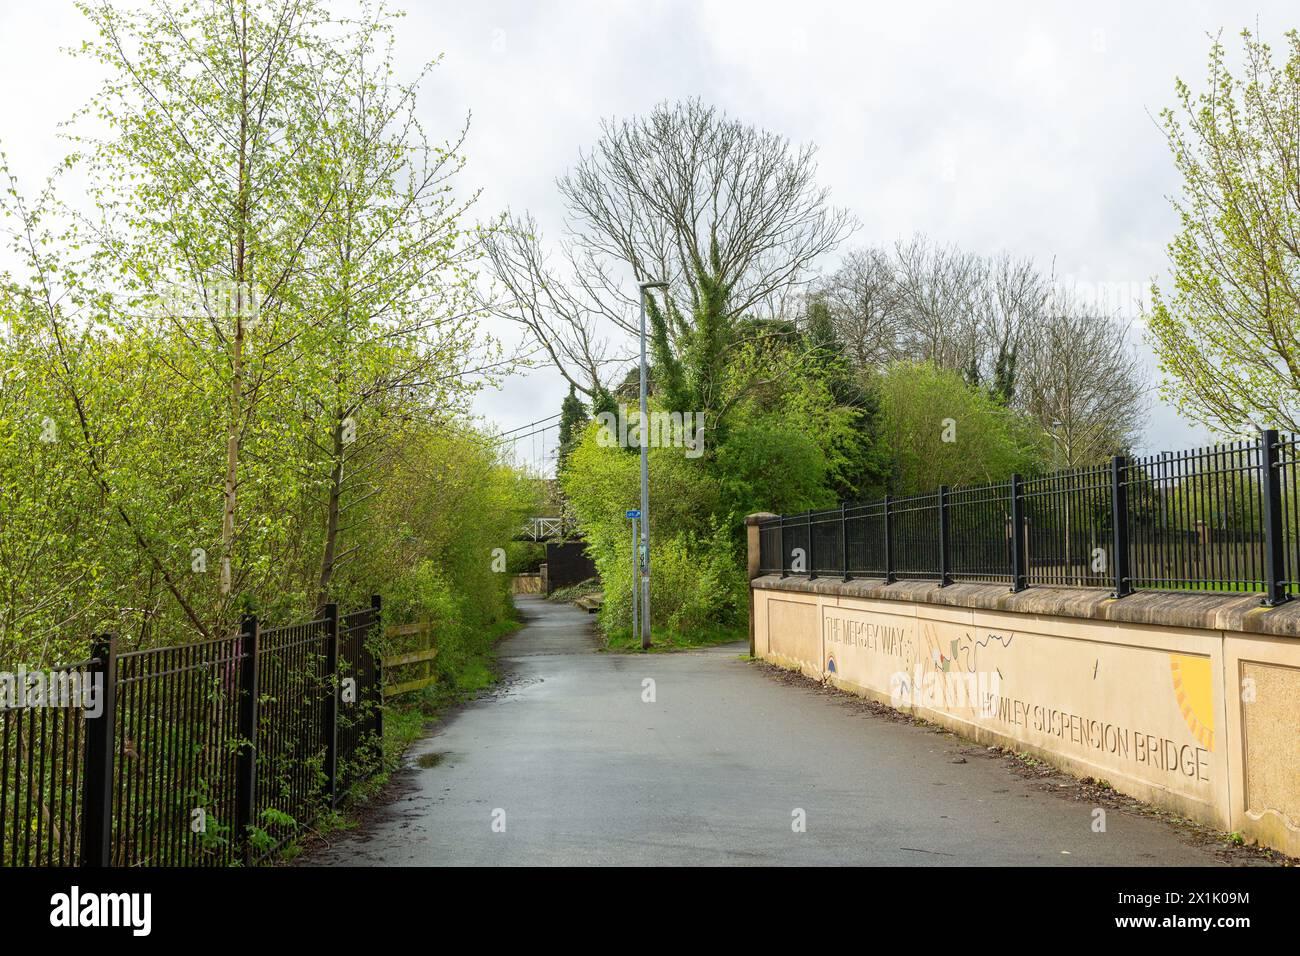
634 514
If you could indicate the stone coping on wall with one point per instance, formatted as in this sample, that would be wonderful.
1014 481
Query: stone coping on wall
1216 612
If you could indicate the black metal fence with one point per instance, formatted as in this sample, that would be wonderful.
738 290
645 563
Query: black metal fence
1221 518
41 773
204 754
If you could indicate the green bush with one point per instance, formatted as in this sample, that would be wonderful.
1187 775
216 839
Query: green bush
698 583
943 431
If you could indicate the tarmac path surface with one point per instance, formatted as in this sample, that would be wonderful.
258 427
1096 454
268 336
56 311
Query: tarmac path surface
565 763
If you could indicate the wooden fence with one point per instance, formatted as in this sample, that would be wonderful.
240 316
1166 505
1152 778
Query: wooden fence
410 670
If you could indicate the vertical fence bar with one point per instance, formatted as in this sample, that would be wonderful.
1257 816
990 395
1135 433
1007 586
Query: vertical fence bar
377 624
1274 534
97 775
1119 558
785 558
812 565
945 559
1019 573
844 543
246 762
890 576
330 724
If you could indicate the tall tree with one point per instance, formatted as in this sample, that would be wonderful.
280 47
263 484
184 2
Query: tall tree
1082 381
1228 333
862 295
573 416
857 457
941 430
729 215
918 300
389 270
209 107
221 360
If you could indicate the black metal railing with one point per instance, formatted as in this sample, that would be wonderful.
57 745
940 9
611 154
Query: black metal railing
203 754
174 747
866 540
42 751
1195 518
914 536
361 715
1222 518
978 526
1287 462
826 542
1068 534
292 780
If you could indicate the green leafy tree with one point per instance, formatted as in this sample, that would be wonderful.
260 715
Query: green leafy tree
1227 332
859 459
209 187
942 430
1004 373
392 321
264 159
792 443
602 482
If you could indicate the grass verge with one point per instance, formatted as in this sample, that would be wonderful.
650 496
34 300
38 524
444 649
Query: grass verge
667 641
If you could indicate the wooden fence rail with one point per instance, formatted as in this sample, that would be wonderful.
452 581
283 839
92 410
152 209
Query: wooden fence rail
422 656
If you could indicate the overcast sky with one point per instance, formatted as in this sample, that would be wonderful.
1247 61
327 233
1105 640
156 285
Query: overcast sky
1027 127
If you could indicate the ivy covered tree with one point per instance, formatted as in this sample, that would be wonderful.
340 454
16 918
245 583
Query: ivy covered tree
860 459
730 215
573 416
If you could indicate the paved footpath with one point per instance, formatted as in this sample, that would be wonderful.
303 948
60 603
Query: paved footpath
581 771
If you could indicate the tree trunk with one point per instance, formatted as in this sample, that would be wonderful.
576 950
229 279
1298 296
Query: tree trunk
234 426
331 519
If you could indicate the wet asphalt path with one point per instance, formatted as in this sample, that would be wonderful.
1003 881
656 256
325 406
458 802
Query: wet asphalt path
581 771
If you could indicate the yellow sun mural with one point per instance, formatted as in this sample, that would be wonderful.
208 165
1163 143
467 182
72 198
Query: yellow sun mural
1193 689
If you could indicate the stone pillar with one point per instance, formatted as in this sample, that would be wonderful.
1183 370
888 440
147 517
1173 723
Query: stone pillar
752 564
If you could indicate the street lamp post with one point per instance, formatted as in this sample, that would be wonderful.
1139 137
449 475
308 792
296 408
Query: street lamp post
635 561
644 434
